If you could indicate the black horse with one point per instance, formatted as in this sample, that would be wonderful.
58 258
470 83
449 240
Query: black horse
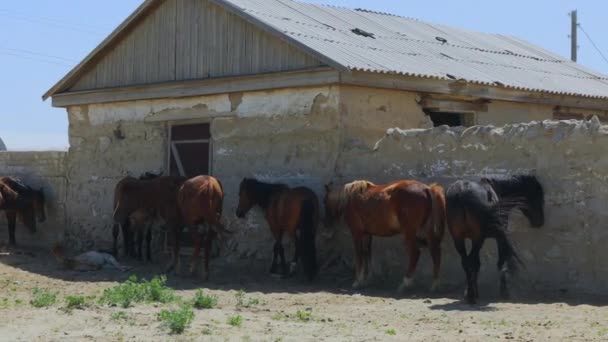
477 211
18 200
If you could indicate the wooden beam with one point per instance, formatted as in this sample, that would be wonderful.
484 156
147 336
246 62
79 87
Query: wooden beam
460 88
301 78
457 106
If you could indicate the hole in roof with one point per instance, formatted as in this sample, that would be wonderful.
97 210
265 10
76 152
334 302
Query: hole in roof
441 39
363 33
451 76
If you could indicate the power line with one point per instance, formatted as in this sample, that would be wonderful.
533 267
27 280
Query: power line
593 43
36 59
60 21
37 54
68 27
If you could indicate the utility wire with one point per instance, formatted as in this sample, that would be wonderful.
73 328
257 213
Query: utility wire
68 27
36 59
37 54
57 20
593 43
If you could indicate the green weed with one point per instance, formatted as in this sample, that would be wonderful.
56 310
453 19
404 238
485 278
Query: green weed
391 332
177 320
243 301
203 301
134 291
43 299
235 321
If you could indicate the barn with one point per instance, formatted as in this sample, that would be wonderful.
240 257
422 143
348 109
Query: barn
288 92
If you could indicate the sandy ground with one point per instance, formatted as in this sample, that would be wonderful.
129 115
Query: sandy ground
336 312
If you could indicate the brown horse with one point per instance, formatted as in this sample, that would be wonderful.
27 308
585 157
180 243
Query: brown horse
21 201
294 212
410 208
141 200
480 210
200 200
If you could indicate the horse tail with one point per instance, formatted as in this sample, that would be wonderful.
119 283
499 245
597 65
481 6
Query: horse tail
307 224
437 218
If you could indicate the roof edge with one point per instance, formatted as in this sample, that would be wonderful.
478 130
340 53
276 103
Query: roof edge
131 20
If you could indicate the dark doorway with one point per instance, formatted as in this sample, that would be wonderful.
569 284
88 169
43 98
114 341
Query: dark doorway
449 119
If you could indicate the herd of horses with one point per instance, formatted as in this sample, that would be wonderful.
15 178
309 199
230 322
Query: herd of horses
419 212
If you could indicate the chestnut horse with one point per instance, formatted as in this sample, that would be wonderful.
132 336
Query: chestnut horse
137 201
477 211
18 200
200 200
294 212
407 207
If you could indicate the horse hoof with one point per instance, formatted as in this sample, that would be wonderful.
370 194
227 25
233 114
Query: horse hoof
435 286
356 285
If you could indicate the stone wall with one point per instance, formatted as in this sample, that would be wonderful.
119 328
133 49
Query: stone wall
40 170
310 136
568 157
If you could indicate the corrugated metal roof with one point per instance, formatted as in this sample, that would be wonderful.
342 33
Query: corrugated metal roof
383 43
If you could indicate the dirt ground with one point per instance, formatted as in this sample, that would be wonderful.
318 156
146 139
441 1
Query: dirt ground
332 311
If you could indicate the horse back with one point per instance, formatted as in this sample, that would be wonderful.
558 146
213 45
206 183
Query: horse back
286 207
199 198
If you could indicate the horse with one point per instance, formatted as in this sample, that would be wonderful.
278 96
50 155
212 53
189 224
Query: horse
479 210
20 200
407 207
137 202
290 211
200 200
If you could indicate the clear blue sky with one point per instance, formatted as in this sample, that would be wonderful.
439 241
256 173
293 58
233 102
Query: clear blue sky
41 40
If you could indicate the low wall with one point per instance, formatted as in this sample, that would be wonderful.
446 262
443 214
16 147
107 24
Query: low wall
45 170
568 157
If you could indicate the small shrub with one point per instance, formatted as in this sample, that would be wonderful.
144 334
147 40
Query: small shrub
43 299
207 331
75 302
132 291
235 321
243 301
304 316
279 316
391 332
203 301
177 320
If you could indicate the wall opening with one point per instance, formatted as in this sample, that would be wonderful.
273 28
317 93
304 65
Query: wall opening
451 119
190 150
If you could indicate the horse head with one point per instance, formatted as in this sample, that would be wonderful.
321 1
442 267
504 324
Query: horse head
247 197
332 207
534 198
39 204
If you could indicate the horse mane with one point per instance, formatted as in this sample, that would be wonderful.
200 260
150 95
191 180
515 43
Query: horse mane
342 196
516 186
262 192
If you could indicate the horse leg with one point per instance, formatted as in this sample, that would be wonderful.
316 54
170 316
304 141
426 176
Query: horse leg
435 250
148 242
140 241
208 244
11 217
358 247
296 256
413 254
367 257
284 268
176 231
115 231
196 241
475 265
126 238
275 253
504 257
464 259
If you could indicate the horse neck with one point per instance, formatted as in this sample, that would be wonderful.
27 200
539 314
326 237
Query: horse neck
510 192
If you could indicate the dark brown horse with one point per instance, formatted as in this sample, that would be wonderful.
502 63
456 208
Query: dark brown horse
479 210
292 212
200 200
21 201
141 200
410 208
